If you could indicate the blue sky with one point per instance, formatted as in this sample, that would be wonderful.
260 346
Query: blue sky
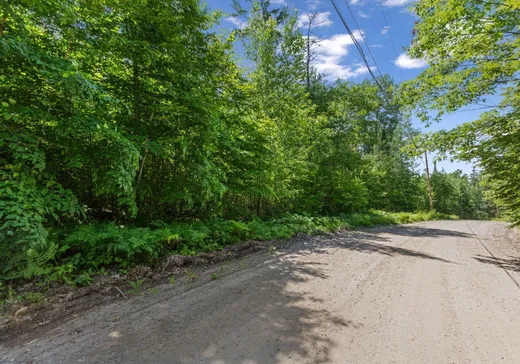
338 57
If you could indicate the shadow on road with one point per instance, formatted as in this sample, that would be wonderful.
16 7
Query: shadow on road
369 242
421 231
267 312
512 263
261 319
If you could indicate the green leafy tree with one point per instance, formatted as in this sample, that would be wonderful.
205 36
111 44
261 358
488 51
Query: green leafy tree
112 110
128 130
280 104
473 49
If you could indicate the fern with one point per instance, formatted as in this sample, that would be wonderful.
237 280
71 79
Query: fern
38 261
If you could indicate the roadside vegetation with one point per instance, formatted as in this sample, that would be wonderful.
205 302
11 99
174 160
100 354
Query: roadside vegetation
92 250
130 132
473 51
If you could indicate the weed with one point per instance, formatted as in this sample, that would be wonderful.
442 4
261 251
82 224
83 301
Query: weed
191 274
136 287
34 297
272 250
172 280
12 297
83 279
153 291
213 276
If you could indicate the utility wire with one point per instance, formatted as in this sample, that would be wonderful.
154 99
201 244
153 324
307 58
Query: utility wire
390 36
467 110
363 56
364 39
360 50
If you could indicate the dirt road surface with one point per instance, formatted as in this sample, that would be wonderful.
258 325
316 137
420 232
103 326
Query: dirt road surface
436 292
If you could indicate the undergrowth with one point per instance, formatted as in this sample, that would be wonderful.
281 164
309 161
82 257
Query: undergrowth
82 252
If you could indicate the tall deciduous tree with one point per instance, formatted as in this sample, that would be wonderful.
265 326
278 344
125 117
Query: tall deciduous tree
473 49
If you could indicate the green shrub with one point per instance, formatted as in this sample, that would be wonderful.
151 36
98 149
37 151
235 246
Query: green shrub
77 254
136 287
33 297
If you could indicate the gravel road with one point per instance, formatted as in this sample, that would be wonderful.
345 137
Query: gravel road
436 292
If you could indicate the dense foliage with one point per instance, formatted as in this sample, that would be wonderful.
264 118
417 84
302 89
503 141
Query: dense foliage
462 195
125 124
473 49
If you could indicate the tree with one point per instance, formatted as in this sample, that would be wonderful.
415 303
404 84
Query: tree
358 154
111 112
280 104
473 51
311 20
135 113
458 194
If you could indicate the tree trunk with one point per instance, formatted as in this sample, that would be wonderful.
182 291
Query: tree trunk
428 178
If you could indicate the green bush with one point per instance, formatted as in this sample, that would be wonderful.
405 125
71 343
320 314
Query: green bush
77 254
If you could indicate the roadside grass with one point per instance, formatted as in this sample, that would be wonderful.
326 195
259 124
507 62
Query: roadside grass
95 249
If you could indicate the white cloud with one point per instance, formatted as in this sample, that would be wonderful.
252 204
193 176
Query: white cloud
385 29
356 2
376 46
338 44
396 2
333 71
331 52
363 15
278 2
408 11
313 4
240 24
404 61
321 20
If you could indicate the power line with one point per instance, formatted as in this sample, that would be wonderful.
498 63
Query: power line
363 56
363 36
390 35
360 50
467 110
